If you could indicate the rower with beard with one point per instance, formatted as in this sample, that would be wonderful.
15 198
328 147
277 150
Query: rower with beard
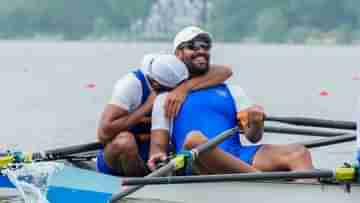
207 112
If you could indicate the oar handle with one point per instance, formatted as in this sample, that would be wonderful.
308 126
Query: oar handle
314 122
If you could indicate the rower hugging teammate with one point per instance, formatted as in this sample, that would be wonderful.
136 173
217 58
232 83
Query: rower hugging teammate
179 102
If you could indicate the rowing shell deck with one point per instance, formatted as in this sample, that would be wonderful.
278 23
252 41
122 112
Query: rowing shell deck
78 185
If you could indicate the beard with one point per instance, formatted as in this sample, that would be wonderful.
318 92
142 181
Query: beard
197 69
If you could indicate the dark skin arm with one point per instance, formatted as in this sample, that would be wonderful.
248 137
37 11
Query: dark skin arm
251 122
158 147
115 119
217 74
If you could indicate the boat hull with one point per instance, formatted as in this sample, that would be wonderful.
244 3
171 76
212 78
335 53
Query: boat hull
78 185
249 192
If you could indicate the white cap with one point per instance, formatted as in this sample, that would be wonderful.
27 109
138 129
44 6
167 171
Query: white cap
147 60
166 69
187 34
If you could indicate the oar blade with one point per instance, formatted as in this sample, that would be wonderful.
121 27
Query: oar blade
78 185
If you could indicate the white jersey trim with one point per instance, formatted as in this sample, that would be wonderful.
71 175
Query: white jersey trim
159 119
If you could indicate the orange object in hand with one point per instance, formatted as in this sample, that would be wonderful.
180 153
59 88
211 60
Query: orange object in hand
251 116
243 119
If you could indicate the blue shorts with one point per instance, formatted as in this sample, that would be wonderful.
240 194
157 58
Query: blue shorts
245 153
103 167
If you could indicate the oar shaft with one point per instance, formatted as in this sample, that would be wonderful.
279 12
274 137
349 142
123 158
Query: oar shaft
160 172
314 122
229 177
306 132
330 141
216 140
65 151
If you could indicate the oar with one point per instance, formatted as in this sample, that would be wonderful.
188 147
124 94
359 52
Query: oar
314 122
178 162
63 153
228 177
341 175
48 155
329 141
306 132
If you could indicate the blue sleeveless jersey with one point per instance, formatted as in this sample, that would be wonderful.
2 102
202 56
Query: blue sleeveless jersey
143 147
211 111
141 128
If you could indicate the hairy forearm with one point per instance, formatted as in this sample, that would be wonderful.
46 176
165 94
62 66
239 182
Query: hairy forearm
159 141
217 74
112 128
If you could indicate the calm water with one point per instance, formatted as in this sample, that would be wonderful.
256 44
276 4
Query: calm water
52 93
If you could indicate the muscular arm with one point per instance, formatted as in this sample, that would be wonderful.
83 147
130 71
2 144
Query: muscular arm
115 120
159 141
158 147
217 74
159 133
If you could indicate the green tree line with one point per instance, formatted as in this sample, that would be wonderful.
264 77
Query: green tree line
286 20
73 19
273 21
